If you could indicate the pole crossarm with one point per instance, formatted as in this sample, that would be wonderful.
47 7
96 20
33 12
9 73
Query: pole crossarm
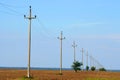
74 45
30 15
61 36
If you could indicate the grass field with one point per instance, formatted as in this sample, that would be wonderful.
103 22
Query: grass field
54 75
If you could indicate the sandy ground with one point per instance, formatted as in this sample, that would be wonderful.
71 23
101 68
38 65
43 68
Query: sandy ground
54 75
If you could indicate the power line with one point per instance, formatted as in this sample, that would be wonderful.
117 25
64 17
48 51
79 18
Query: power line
10 8
8 13
43 27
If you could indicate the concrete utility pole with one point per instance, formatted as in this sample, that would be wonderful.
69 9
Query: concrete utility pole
29 39
93 61
90 61
61 38
74 46
87 58
82 58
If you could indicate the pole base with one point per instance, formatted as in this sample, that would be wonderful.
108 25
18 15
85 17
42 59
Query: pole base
60 73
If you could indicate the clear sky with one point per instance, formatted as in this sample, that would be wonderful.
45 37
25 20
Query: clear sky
93 24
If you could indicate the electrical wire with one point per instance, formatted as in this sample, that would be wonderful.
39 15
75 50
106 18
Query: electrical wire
12 6
6 12
47 32
11 9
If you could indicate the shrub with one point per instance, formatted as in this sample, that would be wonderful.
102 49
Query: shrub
102 69
76 66
87 68
93 68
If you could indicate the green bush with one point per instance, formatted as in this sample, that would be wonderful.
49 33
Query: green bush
93 68
87 68
76 66
102 69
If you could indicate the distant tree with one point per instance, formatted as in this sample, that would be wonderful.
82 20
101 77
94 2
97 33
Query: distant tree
93 68
76 66
102 69
87 68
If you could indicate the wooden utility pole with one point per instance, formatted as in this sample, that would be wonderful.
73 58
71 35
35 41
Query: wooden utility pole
29 39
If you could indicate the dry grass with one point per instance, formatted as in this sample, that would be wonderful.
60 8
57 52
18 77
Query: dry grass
54 75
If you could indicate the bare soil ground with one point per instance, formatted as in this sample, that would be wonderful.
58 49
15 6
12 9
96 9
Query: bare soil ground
54 75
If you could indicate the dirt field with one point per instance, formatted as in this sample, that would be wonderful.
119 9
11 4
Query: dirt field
54 75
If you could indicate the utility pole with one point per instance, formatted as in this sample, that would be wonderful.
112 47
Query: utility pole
90 61
61 38
93 61
29 39
74 46
82 58
87 58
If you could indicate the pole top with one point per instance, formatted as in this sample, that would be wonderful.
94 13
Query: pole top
61 32
30 7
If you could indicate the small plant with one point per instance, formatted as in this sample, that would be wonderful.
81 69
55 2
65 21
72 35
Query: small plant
87 68
76 66
93 68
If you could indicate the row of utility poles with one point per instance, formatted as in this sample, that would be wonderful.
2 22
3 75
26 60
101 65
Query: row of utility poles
74 47
61 38
92 59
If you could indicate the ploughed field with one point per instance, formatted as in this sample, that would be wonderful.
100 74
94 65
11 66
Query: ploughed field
8 74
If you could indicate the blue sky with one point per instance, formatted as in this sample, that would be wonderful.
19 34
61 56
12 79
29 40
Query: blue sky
93 24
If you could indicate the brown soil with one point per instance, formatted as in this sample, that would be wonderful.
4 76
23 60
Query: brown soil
54 75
